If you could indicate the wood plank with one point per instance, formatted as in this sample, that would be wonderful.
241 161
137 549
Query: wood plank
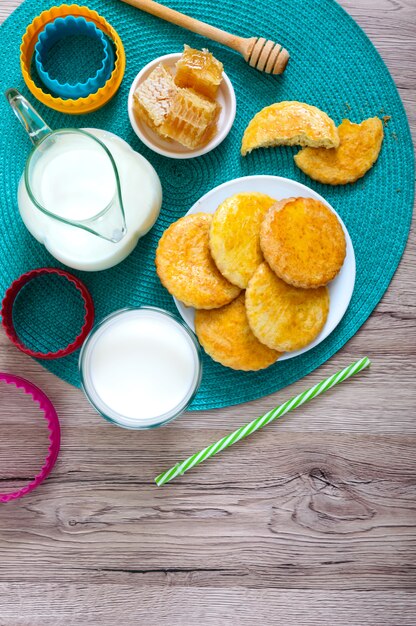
7 7
70 605
318 514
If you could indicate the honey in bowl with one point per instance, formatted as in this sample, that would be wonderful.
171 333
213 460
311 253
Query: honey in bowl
182 107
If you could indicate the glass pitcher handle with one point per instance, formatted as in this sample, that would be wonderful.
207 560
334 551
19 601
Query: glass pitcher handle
32 122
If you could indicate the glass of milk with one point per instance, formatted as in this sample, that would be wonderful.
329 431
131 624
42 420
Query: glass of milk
140 368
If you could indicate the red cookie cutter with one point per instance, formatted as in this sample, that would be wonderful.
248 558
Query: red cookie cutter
52 419
9 300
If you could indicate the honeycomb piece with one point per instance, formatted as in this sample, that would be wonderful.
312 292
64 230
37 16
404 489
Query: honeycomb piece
199 70
191 119
153 99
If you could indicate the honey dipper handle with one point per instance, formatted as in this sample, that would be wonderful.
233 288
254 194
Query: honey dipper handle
169 15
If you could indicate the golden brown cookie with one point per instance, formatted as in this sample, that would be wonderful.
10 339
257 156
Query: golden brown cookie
290 123
234 237
303 242
226 336
186 268
359 147
283 317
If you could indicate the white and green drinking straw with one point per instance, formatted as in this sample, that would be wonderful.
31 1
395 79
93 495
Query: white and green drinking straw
259 422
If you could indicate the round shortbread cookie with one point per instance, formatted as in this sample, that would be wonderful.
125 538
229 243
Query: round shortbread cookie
283 317
234 237
359 147
303 242
226 336
186 268
290 123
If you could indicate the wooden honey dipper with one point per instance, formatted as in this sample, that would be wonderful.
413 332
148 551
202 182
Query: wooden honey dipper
263 54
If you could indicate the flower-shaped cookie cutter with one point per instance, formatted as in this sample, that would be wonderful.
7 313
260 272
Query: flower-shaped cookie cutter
52 420
58 31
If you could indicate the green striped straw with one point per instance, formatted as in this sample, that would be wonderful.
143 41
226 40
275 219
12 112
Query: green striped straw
259 422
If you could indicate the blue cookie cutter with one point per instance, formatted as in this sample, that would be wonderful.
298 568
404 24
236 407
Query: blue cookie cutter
63 27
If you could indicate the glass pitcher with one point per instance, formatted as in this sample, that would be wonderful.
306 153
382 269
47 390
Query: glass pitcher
70 175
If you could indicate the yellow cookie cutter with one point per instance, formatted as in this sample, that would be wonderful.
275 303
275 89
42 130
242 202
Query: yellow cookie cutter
80 105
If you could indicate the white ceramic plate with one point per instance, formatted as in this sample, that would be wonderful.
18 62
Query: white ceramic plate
340 289
173 149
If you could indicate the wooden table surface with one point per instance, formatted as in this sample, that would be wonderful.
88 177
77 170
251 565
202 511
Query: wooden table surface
311 522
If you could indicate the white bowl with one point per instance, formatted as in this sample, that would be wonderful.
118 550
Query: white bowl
173 149
340 289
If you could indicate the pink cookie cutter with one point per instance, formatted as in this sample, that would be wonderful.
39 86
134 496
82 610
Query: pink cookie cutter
52 419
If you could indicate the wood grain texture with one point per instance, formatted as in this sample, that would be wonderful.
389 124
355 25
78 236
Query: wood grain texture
312 521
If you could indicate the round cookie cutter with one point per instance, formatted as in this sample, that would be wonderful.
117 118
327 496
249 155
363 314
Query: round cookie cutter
60 29
52 420
10 298
81 105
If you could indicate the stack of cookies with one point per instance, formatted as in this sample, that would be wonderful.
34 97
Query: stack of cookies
256 271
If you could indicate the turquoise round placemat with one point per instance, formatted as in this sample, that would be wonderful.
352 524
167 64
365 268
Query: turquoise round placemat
333 66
